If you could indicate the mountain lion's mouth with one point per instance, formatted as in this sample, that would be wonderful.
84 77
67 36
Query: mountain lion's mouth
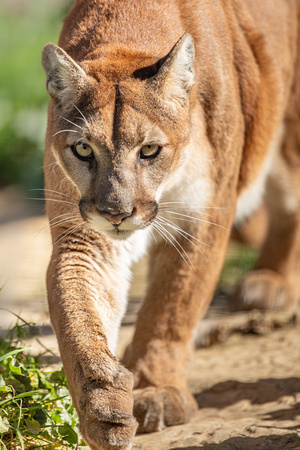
126 228
119 234
113 232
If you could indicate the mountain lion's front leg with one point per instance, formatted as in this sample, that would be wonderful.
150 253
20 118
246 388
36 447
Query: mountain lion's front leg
85 309
178 296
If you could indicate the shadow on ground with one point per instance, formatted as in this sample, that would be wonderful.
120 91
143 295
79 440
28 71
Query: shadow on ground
32 331
272 442
261 391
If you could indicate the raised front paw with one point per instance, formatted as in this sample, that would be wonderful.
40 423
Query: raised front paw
105 412
266 290
157 408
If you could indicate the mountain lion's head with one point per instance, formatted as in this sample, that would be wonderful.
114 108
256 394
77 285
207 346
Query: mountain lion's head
120 129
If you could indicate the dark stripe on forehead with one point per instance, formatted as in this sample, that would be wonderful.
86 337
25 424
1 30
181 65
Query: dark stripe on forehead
117 117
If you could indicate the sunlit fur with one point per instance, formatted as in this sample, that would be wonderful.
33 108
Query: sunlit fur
214 86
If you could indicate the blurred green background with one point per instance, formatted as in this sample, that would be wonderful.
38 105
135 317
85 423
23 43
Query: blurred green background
25 27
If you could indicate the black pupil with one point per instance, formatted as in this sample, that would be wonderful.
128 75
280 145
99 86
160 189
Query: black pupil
150 151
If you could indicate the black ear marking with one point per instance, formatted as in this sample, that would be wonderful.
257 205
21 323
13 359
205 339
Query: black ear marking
150 71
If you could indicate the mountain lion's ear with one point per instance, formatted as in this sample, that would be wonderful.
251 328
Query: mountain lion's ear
64 75
176 75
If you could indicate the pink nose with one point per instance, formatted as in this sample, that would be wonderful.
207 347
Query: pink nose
115 219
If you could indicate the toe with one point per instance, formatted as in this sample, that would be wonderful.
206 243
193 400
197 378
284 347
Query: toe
157 408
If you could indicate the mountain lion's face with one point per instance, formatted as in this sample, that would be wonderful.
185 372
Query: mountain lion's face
121 141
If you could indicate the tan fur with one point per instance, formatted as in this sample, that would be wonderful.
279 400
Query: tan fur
210 83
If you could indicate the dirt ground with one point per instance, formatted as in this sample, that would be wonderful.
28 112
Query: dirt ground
247 384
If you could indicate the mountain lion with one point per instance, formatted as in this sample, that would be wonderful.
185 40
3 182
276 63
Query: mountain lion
168 121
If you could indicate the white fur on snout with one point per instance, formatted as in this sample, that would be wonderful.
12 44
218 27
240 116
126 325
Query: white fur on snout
127 227
100 223
132 223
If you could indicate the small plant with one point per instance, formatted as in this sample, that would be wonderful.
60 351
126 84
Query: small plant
36 410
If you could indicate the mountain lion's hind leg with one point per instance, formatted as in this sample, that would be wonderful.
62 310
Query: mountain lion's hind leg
275 282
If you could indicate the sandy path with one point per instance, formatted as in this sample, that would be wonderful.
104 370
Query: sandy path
251 397
248 391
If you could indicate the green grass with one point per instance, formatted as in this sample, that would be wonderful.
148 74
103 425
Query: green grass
25 27
36 410
240 259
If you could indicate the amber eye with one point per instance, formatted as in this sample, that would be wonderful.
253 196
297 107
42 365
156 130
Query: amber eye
83 151
149 151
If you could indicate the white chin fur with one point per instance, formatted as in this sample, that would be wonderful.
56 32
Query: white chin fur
119 235
113 233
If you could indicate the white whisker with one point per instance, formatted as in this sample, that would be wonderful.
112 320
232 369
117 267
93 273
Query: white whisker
66 131
70 216
72 123
187 205
167 233
182 208
174 241
48 165
52 200
64 221
182 230
183 234
152 234
69 232
61 215
83 116
198 219
157 230
51 190
51 164
165 238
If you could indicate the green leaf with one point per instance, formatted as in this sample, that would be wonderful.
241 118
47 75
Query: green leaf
40 416
63 392
68 434
25 380
3 387
16 384
14 352
2 381
58 376
4 425
33 426
54 400
24 394
3 446
43 383
55 417
21 439
65 416
15 369
30 393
